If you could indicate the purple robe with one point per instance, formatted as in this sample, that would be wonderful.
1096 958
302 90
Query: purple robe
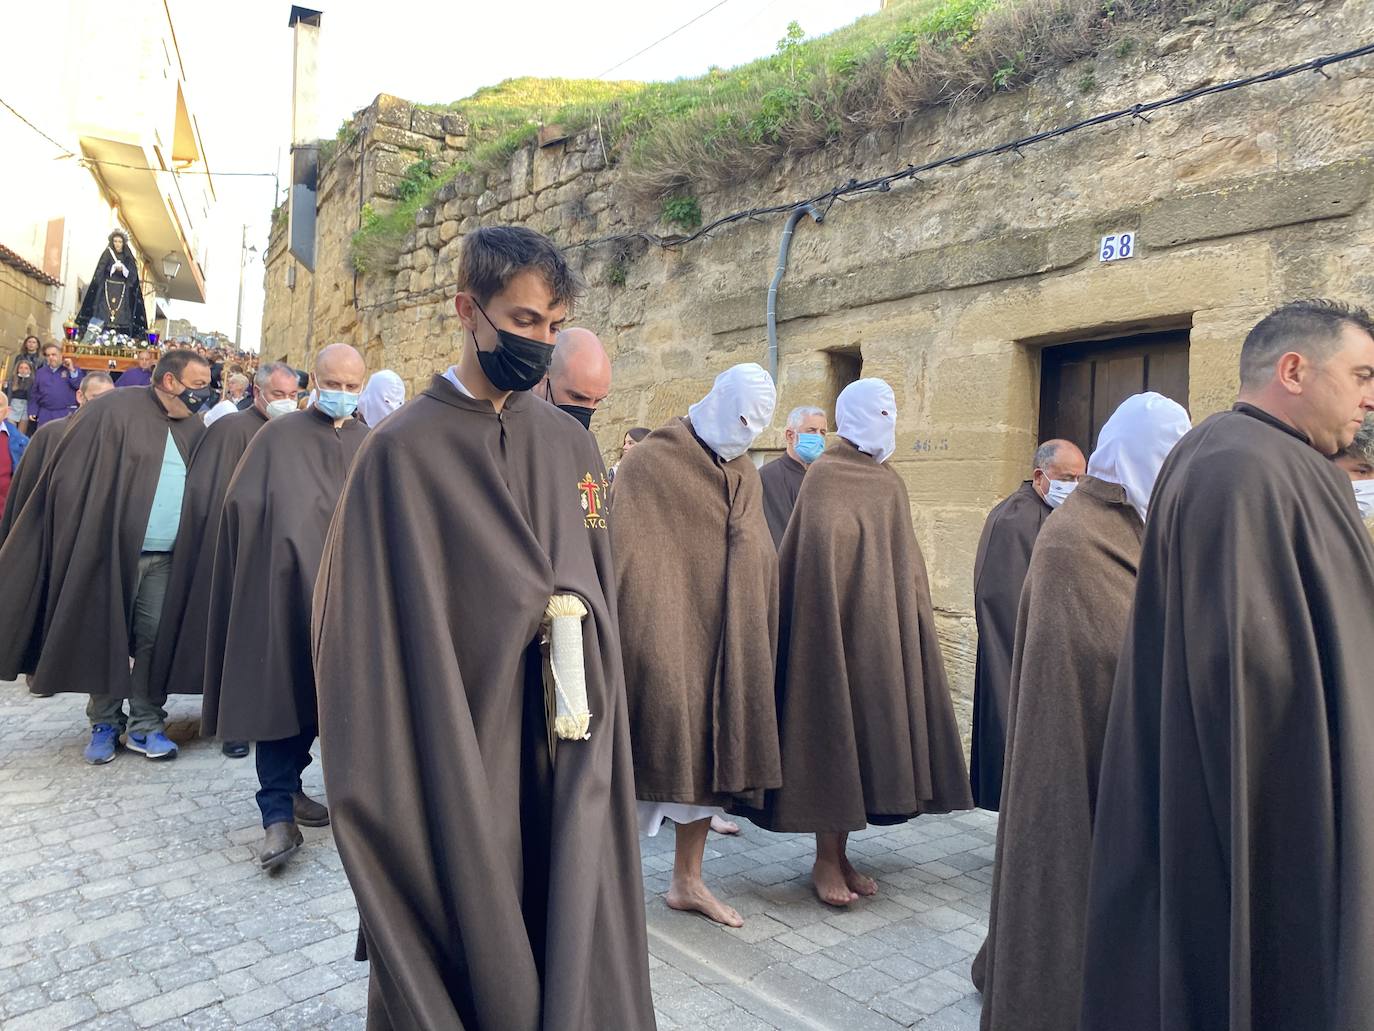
53 395
135 377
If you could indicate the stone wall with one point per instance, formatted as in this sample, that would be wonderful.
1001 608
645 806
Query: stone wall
949 287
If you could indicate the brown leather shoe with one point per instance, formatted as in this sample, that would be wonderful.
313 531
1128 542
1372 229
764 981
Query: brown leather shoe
279 843
308 812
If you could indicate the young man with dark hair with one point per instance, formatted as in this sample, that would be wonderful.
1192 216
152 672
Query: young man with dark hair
107 512
1233 839
482 790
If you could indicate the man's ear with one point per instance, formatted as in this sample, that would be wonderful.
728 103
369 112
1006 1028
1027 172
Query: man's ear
1291 370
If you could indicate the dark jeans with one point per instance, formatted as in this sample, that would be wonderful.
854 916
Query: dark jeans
146 714
280 765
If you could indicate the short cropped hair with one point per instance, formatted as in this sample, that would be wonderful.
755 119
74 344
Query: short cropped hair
494 255
91 379
1045 455
802 412
175 362
1361 449
1310 327
262 379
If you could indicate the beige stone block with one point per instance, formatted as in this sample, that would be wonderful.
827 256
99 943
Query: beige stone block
448 230
548 161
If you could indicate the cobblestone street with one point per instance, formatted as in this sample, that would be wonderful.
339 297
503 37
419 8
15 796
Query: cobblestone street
132 900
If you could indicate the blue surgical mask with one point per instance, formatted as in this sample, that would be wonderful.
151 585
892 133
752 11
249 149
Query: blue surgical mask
337 404
809 447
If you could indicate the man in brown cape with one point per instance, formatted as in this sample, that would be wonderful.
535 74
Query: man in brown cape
1232 879
866 724
782 477
494 859
41 448
179 654
999 570
698 584
259 680
1069 630
95 541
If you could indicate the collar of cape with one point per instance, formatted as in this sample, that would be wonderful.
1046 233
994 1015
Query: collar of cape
1245 408
440 389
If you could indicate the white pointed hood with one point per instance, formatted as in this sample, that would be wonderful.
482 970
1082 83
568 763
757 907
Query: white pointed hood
1134 443
866 416
738 408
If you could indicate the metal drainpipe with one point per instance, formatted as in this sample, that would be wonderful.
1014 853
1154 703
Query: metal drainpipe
783 247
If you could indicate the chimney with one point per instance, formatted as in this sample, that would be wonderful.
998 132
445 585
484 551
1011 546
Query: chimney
305 134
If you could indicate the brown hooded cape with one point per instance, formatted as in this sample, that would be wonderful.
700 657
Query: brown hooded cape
36 457
259 681
179 654
867 727
782 479
1004 553
1069 630
1232 880
498 890
698 586
77 542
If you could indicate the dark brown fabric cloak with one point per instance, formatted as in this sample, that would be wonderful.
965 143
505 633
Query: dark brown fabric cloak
41 447
1232 880
867 727
498 891
179 654
782 479
1004 553
259 680
697 580
77 542
1069 629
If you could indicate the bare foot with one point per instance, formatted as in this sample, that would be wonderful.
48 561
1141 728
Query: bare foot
695 897
721 825
830 884
858 883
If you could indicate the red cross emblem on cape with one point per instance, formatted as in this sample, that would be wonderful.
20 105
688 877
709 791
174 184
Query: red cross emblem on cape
591 490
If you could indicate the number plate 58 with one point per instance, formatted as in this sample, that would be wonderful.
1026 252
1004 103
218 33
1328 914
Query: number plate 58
1117 247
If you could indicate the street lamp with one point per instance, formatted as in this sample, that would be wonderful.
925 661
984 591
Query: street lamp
171 265
244 251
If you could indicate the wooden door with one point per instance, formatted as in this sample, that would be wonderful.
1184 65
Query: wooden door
1081 384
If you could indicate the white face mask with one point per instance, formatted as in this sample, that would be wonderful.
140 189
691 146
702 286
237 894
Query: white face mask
276 409
1364 497
1058 492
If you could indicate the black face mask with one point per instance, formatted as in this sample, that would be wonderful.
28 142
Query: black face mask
195 399
581 413
518 363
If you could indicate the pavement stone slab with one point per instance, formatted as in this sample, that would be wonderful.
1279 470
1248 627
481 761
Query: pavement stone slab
133 900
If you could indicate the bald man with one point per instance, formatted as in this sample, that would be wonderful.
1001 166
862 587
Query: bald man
580 375
259 681
1004 553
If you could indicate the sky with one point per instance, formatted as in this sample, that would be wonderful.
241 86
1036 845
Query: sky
238 70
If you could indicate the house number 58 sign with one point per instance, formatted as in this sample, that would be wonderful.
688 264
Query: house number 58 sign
1117 247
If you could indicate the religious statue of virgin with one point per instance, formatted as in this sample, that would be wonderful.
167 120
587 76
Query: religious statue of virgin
114 301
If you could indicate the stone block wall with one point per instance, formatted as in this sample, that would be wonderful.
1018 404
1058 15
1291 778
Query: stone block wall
949 287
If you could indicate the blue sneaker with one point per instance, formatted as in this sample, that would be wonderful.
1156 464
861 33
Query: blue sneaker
155 745
101 750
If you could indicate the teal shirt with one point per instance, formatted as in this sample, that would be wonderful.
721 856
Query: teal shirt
165 517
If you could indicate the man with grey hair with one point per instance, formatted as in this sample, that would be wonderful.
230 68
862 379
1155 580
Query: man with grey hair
179 652
1233 836
579 377
259 681
782 477
1004 553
